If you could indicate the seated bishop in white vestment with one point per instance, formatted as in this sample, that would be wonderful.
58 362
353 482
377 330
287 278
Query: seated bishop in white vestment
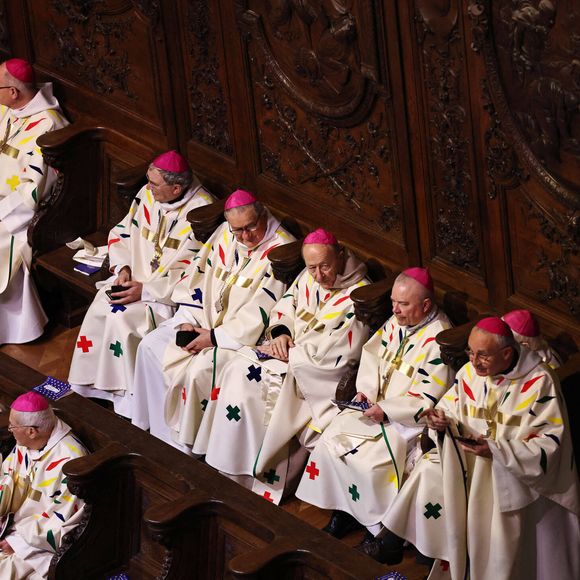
225 297
498 499
36 507
26 113
149 252
363 458
288 383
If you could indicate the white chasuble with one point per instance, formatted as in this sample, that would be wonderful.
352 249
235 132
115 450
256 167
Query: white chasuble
512 516
359 466
25 180
155 240
262 404
33 488
231 290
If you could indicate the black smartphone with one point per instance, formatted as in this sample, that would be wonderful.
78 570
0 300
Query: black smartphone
114 290
467 440
184 337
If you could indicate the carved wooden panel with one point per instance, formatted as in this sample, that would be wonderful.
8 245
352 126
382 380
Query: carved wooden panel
323 110
208 110
4 30
443 84
112 50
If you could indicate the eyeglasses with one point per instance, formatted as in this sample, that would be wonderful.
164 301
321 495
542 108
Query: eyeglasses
249 228
12 427
9 87
482 356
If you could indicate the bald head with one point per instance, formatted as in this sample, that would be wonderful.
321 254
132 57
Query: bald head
412 301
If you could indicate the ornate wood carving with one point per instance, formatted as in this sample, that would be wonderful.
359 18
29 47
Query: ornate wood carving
442 64
92 53
210 123
532 54
502 165
560 266
324 121
4 32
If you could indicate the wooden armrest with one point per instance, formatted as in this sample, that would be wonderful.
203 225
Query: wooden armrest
372 303
83 471
570 368
56 145
205 220
129 181
287 261
453 343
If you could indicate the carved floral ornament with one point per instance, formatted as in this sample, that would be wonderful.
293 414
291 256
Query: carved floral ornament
313 51
532 54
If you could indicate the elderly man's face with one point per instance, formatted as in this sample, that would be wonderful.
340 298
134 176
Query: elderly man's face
7 93
161 190
248 227
409 304
24 434
324 263
487 358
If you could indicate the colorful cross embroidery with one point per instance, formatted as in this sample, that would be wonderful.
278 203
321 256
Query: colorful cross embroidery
84 344
116 348
197 295
267 495
433 511
255 373
215 392
312 470
13 182
117 308
271 476
354 492
233 413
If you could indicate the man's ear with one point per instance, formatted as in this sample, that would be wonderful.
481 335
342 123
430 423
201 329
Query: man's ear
427 303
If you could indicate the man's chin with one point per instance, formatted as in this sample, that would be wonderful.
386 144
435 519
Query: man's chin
481 372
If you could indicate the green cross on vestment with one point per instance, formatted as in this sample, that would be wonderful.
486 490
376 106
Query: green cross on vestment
354 492
433 510
116 348
271 476
233 413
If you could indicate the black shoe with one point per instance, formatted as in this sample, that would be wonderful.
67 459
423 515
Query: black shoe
386 548
341 524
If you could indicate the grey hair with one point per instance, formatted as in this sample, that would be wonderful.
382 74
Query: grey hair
28 89
258 208
184 179
44 420
402 278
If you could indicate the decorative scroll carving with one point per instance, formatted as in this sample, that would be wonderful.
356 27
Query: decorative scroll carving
91 44
532 54
4 34
502 164
210 119
442 65
563 232
314 45
323 126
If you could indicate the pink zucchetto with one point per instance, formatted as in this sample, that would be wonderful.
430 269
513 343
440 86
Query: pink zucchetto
320 236
30 402
421 275
494 325
20 69
522 322
171 161
239 198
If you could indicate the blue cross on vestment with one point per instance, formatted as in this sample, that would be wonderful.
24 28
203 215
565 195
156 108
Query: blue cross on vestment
197 295
255 373
117 308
